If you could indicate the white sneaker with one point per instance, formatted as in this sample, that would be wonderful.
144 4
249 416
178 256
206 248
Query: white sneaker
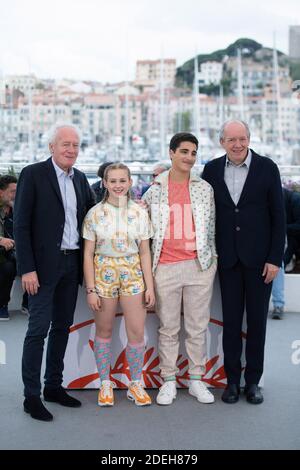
25 311
290 266
167 393
199 390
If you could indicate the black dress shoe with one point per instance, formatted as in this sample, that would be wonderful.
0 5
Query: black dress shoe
231 393
36 409
253 394
60 396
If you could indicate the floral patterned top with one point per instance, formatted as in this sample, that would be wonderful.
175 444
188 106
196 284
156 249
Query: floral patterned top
203 210
117 231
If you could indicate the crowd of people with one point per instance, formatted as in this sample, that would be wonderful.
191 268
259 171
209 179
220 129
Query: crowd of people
57 232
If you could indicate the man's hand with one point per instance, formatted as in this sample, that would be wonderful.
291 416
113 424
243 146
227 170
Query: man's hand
270 271
7 243
30 283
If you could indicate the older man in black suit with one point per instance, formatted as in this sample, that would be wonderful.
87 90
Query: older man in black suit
250 234
51 202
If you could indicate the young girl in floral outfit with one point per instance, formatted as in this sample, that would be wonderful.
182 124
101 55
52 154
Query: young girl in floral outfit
117 268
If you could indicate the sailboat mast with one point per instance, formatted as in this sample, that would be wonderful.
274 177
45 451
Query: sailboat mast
277 97
196 98
196 123
126 137
221 106
240 85
162 108
2 104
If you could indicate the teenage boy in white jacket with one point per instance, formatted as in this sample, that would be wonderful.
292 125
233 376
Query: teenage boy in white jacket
182 211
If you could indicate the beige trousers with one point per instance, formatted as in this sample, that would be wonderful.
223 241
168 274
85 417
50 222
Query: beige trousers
177 284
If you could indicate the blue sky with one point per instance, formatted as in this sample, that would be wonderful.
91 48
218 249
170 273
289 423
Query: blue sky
102 39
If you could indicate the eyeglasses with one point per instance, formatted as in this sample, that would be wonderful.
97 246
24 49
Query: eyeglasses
233 140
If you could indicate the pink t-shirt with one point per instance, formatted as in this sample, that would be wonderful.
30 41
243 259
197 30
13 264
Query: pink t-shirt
180 238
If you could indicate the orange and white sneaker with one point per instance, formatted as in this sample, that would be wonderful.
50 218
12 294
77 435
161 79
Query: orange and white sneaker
106 393
137 394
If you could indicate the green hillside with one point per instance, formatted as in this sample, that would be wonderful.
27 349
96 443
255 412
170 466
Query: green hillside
249 47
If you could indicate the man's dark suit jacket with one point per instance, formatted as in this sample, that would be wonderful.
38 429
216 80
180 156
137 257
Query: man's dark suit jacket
292 210
39 218
253 231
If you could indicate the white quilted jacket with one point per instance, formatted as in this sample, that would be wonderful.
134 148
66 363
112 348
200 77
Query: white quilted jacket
203 209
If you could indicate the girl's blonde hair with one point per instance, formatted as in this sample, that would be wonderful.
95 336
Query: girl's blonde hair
116 166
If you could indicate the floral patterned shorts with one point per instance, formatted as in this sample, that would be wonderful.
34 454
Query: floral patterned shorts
115 277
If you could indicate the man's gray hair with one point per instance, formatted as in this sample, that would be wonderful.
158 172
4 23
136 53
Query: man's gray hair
222 130
52 133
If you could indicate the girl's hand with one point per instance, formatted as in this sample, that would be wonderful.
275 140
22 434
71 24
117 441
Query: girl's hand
149 298
143 204
94 302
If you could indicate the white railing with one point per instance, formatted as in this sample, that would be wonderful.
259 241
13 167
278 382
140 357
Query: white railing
137 168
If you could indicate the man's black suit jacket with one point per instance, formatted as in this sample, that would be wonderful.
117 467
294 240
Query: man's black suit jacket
292 210
253 231
39 218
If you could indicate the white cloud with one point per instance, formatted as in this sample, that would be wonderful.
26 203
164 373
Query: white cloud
101 39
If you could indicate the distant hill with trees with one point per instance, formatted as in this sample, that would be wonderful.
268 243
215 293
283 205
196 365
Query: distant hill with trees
250 50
